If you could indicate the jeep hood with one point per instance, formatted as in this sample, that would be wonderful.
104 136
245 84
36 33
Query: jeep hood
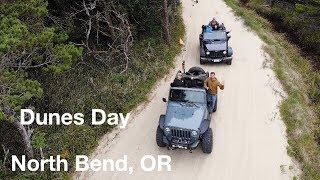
185 115
217 46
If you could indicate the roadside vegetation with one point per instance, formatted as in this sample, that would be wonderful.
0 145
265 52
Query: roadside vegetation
73 56
300 20
295 69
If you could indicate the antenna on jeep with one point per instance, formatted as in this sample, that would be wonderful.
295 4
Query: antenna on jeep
183 67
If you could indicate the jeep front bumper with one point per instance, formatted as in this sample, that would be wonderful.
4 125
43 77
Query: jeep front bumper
180 144
215 60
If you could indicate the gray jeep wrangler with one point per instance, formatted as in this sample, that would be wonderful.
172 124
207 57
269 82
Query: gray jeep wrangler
214 46
186 123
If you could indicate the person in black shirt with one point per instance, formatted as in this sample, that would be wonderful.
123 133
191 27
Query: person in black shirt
178 81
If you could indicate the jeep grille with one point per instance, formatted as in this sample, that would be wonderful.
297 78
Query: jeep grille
218 54
181 133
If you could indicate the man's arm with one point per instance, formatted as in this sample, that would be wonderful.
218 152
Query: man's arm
221 86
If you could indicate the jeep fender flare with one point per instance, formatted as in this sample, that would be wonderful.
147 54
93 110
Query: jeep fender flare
204 126
161 120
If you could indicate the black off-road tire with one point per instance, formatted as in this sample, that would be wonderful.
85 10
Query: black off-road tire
159 137
196 70
207 141
229 62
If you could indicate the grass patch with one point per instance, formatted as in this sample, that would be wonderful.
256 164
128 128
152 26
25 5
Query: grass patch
299 80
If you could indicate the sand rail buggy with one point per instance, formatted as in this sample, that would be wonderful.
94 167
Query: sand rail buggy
186 123
214 46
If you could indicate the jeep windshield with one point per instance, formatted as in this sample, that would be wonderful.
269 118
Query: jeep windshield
215 36
185 95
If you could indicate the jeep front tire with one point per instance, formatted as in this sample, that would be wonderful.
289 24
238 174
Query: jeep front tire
159 137
206 142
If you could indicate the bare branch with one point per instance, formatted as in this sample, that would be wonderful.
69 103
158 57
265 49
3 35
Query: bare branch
6 153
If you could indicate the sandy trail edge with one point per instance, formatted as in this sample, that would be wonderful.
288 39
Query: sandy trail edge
249 137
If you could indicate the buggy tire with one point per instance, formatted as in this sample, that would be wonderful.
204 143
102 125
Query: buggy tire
196 70
207 142
159 137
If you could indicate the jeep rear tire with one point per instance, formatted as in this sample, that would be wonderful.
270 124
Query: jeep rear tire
196 71
206 142
159 137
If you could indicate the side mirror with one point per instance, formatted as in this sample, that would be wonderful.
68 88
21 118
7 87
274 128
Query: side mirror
228 36
164 99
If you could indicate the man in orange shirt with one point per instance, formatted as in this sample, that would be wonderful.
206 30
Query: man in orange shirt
211 84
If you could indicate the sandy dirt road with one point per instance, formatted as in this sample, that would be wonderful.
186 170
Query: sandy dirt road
249 137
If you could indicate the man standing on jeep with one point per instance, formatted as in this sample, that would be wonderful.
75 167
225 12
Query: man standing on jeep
214 24
178 81
212 84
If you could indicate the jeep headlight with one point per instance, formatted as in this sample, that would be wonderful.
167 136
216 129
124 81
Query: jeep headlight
194 133
207 52
224 52
167 130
